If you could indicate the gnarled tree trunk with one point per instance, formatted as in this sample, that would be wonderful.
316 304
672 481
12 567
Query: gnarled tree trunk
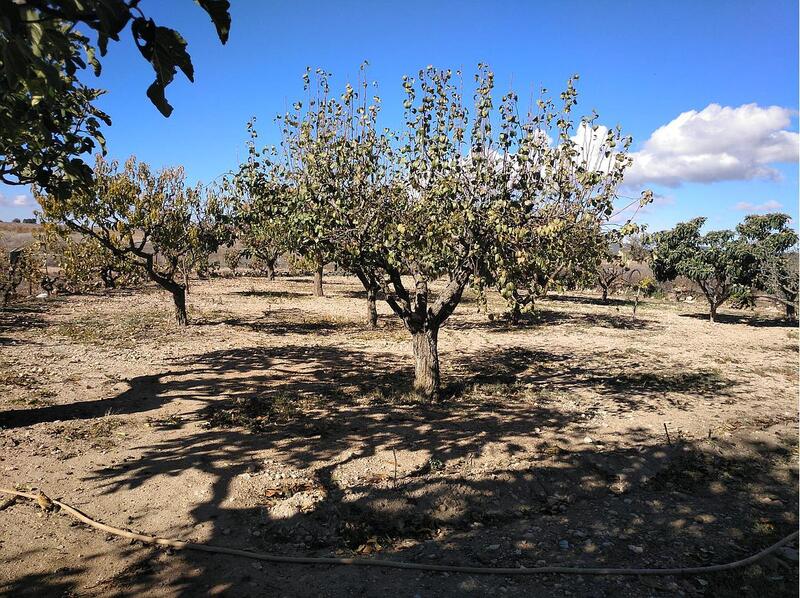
318 282
269 266
712 313
372 309
716 293
516 312
177 290
423 320
179 298
426 360
108 278
13 276
372 287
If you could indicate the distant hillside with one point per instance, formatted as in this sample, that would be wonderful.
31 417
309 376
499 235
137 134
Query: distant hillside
15 234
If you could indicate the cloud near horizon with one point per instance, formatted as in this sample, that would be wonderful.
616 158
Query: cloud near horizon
18 201
718 143
767 206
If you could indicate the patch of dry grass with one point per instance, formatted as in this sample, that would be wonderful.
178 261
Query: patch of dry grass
99 433
123 329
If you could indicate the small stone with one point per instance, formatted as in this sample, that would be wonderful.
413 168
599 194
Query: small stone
493 547
258 566
563 544
636 549
588 440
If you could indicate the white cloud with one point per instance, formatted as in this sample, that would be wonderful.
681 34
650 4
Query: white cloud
18 201
718 143
767 206
592 143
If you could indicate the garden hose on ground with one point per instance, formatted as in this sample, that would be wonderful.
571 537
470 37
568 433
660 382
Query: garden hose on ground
46 502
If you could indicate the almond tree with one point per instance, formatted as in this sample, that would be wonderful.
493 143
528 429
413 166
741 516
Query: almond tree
341 171
84 263
152 221
424 211
774 246
260 217
617 250
560 196
717 262
305 179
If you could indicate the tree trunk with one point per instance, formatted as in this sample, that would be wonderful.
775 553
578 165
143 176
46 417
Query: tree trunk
372 310
605 294
107 276
426 357
179 297
270 268
318 282
712 314
791 312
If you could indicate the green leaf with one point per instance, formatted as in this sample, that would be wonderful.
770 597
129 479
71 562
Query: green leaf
156 94
219 11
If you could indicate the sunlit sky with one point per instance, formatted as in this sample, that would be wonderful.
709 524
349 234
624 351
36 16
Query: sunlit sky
709 90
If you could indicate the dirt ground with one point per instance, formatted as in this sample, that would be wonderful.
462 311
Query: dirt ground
278 422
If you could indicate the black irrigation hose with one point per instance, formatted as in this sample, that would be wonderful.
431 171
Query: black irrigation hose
46 503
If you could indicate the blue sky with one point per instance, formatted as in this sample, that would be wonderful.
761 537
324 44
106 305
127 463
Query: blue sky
641 64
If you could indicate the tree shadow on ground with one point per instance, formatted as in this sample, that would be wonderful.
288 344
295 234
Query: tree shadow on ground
272 294
338 491
266 325
145 394
545 375
753 320
549 317
288 320
499 475
584 300
21 316
64 581
333 372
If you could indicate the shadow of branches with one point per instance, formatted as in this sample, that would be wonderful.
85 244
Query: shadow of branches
21 316
753 320
497 475
326 452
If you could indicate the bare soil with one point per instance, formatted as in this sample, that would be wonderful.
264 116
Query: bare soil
278 422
